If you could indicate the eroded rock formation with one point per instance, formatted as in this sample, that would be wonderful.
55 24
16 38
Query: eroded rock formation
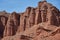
40 23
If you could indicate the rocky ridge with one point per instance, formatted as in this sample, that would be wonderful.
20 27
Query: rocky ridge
40 23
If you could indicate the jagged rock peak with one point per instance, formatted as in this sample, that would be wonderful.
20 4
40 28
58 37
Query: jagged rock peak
35 23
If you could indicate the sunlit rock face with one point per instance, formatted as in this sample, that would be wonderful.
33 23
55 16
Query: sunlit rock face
12 24
40 23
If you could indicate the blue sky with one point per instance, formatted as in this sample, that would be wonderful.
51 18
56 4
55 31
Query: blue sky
21 5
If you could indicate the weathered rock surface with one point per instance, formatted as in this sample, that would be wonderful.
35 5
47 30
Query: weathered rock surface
12 25
40 23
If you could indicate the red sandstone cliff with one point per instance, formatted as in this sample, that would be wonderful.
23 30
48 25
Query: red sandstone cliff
40 23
